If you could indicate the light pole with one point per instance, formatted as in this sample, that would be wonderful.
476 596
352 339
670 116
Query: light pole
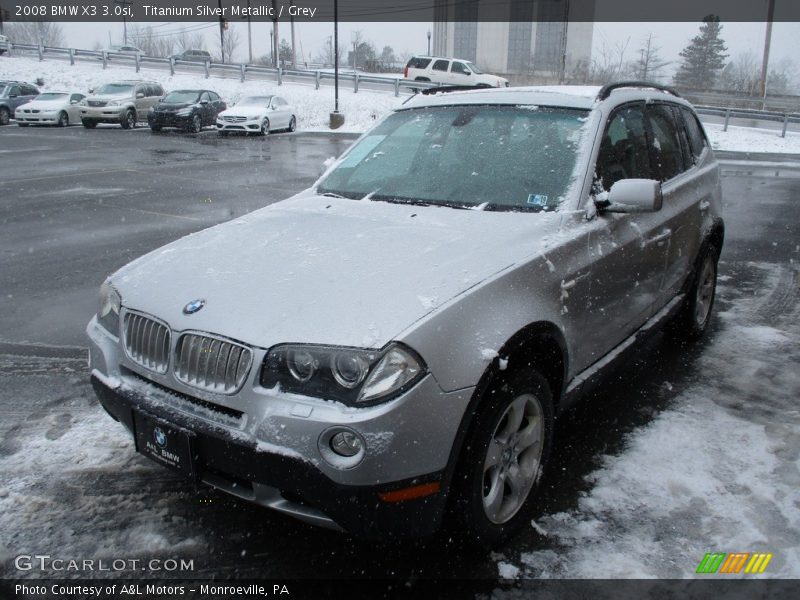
765 61
336 118
124 4
429 42
249 34
271 49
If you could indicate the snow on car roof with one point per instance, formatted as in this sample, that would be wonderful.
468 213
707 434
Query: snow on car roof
569 96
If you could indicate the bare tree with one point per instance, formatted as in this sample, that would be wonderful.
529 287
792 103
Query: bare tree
192 40
608 65
35 32
150 42
743 74
783 77
325 53
649 65
230 43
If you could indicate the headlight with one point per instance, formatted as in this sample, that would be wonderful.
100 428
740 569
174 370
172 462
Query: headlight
352 376
115 103
108 310
184 112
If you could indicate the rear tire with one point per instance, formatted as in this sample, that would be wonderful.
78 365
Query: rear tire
503 459
63 119
155 128
23 124
692 321
89 124
5 116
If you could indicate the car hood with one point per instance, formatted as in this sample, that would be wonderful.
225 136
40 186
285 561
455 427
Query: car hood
324 270
244 111
44 104
172 107
109 97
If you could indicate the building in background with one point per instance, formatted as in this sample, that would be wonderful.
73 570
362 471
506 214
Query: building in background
536 43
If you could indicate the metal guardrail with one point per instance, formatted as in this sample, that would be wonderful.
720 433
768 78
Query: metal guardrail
748 113
242 70
319 75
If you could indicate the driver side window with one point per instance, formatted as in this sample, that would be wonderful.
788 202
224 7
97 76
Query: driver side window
623 151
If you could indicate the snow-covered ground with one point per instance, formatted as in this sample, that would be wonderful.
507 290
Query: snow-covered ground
314 106
716 472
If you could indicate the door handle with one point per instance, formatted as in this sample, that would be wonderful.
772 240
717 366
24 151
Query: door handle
661 237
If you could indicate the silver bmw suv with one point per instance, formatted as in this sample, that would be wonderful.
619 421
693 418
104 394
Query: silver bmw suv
387 351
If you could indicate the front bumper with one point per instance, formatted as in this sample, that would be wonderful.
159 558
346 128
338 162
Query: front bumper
42 118
245 125
264 446
103 114
168 119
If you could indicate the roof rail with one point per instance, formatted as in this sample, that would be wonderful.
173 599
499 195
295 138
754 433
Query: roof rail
453 88
606 90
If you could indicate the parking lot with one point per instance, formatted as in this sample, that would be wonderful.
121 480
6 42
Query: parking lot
78 204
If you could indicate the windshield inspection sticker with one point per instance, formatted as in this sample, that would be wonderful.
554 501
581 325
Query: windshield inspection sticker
537 199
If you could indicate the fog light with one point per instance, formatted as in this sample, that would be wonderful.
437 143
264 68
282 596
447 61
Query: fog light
346 443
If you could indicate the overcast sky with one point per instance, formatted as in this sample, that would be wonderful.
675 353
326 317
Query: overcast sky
412 37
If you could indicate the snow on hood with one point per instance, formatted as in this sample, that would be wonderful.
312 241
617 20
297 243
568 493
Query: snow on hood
325 270
245 111
45 104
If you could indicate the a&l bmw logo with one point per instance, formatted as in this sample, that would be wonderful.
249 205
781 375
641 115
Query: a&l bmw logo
194 306
160 437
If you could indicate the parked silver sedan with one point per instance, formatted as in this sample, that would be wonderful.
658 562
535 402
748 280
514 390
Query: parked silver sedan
51 108
387 351
257 114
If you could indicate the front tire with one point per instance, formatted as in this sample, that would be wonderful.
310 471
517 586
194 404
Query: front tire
63 120
129 120
196 125
503 458
89 124
693 319
264 127
292 124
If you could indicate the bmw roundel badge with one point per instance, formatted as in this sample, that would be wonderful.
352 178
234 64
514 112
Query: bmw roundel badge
193 306
160 437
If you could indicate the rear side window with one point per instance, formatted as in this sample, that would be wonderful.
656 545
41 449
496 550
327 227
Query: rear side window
697 140
214 96
666 145
158 90
418 63
441 65
28 90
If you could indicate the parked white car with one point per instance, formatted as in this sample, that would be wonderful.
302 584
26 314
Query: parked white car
50 108
125 51
257 114
450 71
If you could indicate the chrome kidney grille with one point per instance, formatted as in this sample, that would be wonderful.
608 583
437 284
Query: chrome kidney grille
211 363
147 342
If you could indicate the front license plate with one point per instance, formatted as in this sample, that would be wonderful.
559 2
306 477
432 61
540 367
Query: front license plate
164 443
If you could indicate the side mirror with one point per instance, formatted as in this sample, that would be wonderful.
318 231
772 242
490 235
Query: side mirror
139 95
203 102
634 195
12 95
73 101
91 90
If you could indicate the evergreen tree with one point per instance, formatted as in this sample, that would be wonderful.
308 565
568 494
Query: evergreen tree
703 57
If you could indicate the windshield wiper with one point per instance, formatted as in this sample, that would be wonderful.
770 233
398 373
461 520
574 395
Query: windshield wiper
395 200
333 195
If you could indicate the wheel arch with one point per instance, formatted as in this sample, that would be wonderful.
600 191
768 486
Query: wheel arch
539 345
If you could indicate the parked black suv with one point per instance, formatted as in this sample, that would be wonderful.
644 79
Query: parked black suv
12 95
186 109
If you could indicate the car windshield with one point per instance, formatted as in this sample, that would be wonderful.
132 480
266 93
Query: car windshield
255 101
115 88
474 69
51 96
181 96
513 158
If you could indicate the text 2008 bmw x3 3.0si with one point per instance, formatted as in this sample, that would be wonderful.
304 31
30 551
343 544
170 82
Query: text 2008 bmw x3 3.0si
387 351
